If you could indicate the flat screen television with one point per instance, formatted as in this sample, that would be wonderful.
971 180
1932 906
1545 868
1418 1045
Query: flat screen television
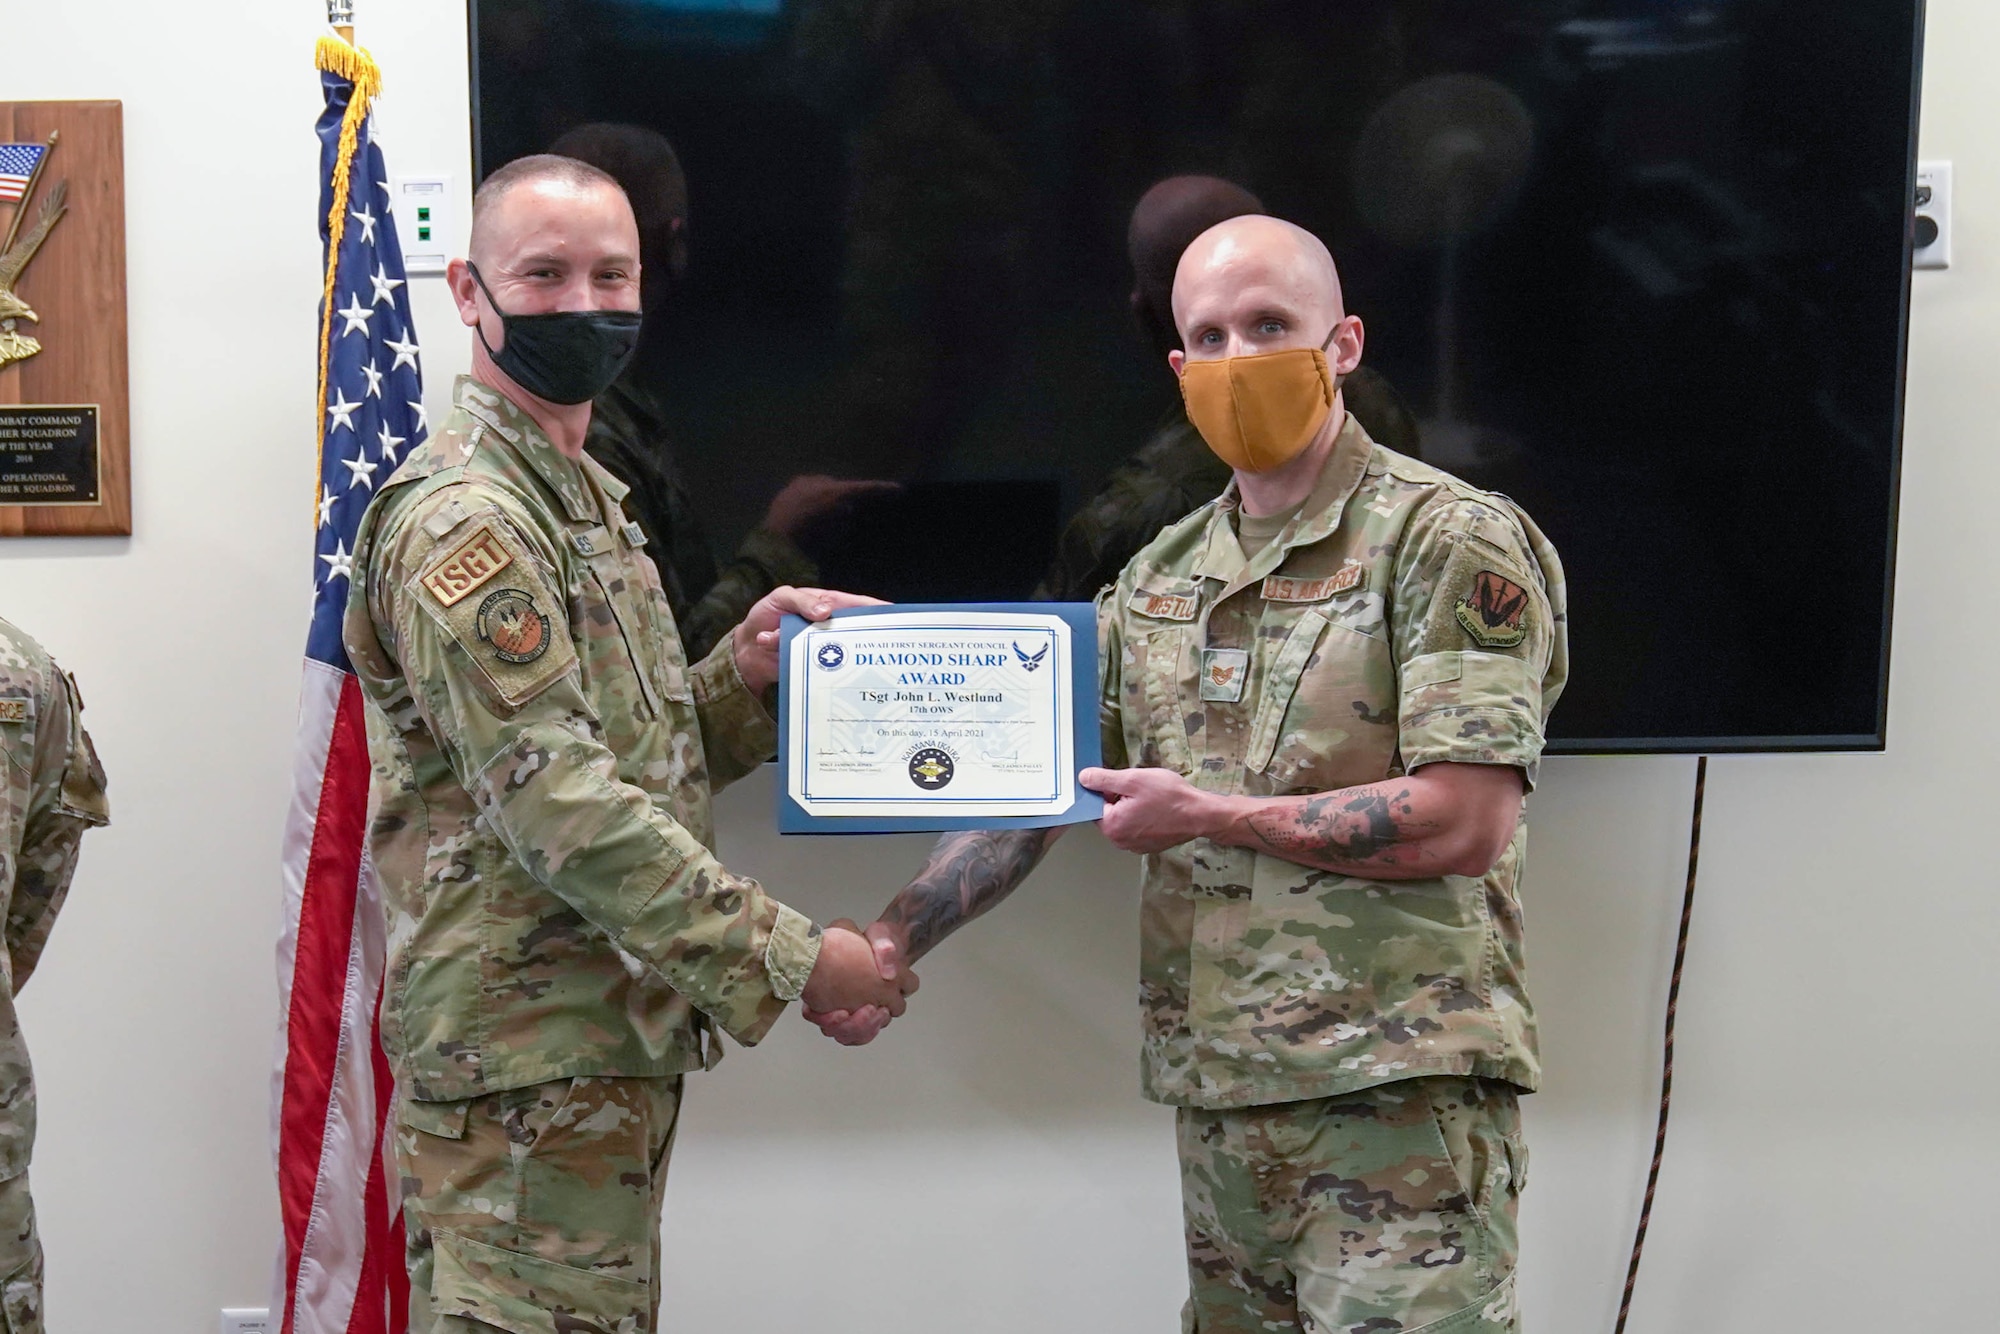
1643 265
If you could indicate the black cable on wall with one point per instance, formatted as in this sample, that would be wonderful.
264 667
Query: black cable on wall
1667 1063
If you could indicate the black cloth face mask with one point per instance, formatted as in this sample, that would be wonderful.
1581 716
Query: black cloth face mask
565 356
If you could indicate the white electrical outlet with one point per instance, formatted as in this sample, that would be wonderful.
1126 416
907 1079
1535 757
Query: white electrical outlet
1932 247
422 208
246 1320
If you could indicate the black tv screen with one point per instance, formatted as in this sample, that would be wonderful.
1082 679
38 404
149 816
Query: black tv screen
1640 264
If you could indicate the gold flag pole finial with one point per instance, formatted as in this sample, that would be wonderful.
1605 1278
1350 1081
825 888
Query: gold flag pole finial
340 13
28 193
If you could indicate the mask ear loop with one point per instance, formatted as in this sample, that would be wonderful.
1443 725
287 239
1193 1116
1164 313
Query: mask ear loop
1338 380
479 329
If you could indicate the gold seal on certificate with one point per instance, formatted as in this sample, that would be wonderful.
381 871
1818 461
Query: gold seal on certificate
906 718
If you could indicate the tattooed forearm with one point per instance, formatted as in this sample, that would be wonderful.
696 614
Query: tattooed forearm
1376 827
967 874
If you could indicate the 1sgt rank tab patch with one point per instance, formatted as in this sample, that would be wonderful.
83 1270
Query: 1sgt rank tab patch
470 565
1222 673
1494 611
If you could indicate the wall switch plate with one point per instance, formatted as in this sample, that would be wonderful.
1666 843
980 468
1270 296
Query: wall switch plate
1932 247
424 225
246 1320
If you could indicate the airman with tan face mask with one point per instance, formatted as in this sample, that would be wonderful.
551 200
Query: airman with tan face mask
1323 703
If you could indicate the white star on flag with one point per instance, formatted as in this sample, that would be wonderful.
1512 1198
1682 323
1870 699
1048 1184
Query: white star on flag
326 503
374 379
406 353
363 472
341 411
340 565
423 418
356 315
385 286
367 221
390 443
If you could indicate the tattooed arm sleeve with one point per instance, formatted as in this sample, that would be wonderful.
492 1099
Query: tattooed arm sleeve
1445 819
967 873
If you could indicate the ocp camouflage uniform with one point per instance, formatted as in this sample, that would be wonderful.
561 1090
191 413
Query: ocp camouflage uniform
1345 1051
563 945
52 790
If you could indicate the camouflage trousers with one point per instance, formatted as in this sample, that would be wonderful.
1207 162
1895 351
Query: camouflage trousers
537 1210
1387 1211
20 1259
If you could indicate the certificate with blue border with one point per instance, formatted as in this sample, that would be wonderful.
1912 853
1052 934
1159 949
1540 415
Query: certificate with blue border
917 717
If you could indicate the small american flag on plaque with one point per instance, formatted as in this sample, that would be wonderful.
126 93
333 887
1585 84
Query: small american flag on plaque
17 164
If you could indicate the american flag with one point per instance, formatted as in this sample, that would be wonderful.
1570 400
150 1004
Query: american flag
17 164
342 1267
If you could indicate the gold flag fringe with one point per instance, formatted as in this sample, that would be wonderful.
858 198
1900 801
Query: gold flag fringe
334 56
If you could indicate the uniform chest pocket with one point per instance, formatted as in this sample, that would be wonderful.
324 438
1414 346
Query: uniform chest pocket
1327 713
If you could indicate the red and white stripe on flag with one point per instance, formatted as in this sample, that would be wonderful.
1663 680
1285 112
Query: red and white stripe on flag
342 1260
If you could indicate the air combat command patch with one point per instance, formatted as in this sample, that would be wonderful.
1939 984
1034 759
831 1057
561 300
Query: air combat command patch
1494 611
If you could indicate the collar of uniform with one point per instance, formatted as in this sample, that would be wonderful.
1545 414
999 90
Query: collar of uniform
1222 554
606 480
561 474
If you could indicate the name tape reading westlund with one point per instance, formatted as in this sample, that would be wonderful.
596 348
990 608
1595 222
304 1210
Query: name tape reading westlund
48 454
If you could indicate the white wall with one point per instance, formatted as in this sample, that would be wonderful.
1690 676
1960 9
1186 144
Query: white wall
988 1165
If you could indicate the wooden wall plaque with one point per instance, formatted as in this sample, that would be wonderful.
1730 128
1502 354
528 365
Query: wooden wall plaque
65 422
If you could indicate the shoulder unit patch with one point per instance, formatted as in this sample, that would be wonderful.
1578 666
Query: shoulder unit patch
1494 611
517 629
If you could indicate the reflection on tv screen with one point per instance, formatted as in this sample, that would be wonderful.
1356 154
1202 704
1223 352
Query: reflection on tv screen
1640 264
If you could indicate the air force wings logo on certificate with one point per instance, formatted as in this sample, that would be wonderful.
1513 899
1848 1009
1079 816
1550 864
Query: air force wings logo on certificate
920 718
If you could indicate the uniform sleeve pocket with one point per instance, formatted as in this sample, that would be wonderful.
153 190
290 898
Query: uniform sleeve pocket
526 1294
443 1119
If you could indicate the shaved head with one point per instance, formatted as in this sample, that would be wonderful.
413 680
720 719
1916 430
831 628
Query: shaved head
1261 253
557 179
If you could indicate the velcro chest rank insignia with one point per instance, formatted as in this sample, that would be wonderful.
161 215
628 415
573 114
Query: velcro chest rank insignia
14 710
1222 673
1283 588
460 574
1494 611
1164 606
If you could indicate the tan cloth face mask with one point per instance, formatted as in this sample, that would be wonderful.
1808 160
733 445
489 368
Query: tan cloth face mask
1258 412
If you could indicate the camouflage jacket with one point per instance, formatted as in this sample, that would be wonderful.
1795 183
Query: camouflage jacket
543 759
1403 618
52 790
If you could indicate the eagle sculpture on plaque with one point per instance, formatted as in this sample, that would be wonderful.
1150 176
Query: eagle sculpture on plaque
20 168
